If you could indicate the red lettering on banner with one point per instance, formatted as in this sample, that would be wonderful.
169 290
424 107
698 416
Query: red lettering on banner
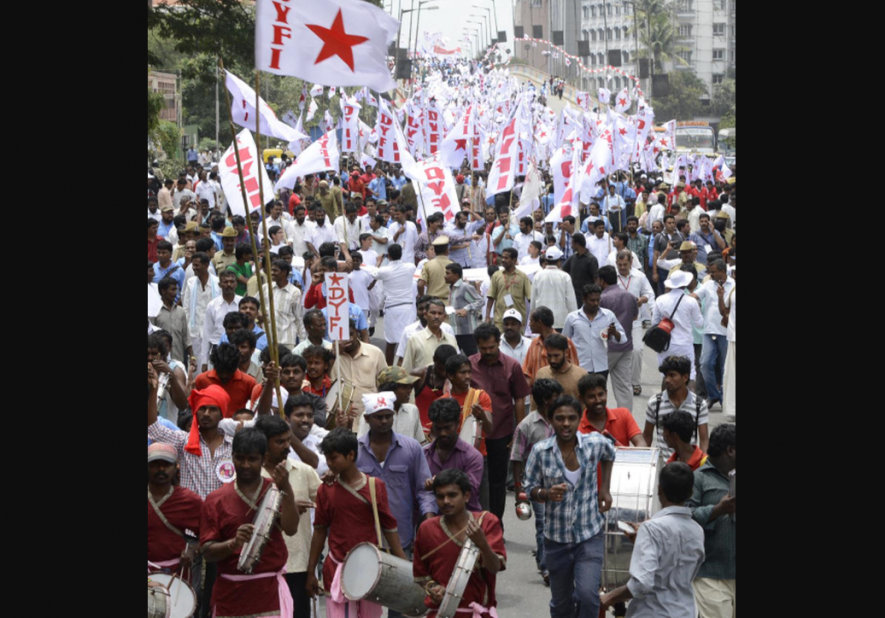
251 184
444 204
275 57
436 187
384 130
382 142
385 120
435 173
247 166
278 34
503 168
231 160
281 14
247 113
348 110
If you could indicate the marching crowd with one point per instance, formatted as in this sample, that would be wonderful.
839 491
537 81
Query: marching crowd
518 327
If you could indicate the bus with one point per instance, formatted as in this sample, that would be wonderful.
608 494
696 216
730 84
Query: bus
695 137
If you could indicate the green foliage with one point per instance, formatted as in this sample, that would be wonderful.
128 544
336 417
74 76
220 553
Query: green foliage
684 101
168 137
156 103
723 102
207 143
658 36
728 121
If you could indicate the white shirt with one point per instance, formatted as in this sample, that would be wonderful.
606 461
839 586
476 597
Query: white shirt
407 240
380 248
729 210
655 213
359 283
156 216
522 241
710 300
612 260
213 321
413 328
352 230
519 351
687 316
694 218
318 235
204 297
312 441
600 247
397 277
206 191
732 327
638 285
189 273
289 312
553 288
298 235
529 261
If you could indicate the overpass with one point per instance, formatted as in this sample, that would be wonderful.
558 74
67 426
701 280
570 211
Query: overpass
524 72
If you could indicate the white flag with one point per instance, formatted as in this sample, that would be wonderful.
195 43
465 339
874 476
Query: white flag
243 111
386 130
332 92
529 199
330 42
604 95
502 173
622 101
251 165
320 156
437 188
350 110
317 90
311 110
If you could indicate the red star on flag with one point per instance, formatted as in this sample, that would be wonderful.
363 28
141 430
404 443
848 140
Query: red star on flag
664 142
622 131
622 101
336 42
336 279
460 144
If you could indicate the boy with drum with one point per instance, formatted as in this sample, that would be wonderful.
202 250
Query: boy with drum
440 541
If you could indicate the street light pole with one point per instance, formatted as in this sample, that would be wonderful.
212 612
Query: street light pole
486 24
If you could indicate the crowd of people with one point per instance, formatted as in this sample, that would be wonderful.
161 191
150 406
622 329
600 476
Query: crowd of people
503 337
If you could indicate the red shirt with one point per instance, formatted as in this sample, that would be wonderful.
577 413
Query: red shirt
423 400
323 390
182 510
152 248
356 185
619 424
238 388
294 201
698 457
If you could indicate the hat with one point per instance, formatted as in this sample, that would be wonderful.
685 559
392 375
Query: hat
324 184
212 395
440 241
162 452
553 253
356 194
466 200
679 279
512 313
663 185
192 226
167 208
229 232
722 215
643 176
397 375
459 178
687 245
381 202
680 185
375 402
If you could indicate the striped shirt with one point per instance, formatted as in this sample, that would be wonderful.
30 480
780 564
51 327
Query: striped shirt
197 472
577 518
688 405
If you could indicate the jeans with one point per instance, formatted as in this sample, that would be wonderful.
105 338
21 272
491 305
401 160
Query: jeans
300 599
539 509
392 613
700 386
713 364
570 564
498 463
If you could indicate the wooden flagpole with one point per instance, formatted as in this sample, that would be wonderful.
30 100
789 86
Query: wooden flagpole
252 231
274 350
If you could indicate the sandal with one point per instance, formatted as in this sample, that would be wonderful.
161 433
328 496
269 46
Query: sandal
637 390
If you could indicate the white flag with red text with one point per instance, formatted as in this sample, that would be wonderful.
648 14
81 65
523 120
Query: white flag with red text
350 110
437 188
329 42
243 111
503 169
251 165
320 156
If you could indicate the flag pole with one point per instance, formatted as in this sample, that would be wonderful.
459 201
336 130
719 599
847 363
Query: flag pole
338 376
252 230
274 350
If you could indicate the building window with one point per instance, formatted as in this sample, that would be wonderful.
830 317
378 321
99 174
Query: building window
718 77
625 32
536 2
586 10
601 59
718 54
685 31
593 35
593 59
720 4
617 9
685 6
618 34
685 55
626 56
718 29
608 34
593 11
609 9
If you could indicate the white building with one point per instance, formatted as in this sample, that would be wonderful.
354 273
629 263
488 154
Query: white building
707 29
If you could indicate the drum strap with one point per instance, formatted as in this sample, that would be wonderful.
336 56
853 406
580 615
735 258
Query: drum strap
468 404
162 517
451 538
375 510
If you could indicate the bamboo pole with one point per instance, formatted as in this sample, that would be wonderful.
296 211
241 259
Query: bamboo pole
252 230
275 350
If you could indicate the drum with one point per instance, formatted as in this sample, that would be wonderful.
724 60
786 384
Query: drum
158 601
634 490
369 573
265 518
347 391
470 431
182 601
458 581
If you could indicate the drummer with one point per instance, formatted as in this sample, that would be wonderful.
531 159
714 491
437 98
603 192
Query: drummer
173 516
447 534
227 526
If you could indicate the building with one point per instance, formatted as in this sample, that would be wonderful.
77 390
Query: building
707 29
165 84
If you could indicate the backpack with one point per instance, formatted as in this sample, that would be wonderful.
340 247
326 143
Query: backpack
658 336
697 415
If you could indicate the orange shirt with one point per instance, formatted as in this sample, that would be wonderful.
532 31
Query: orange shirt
619 423
698 458
485 402
238 388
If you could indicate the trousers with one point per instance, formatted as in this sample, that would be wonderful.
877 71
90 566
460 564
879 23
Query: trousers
498 464
713 364
575 573
620 368
638 347
716 598
300 598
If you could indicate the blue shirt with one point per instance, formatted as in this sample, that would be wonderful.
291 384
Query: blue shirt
192 155
261 344
177 274
404 471
379 188
295 276
592 349
577 518
398 183
356 314
217 238
547 203
514 230
701 239
590 219
163 230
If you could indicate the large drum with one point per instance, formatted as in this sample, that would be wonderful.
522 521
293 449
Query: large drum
634 490
458 580
158 601
182 600
369 573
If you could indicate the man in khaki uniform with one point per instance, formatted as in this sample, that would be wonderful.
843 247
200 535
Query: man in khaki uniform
327 201
222 259
433 276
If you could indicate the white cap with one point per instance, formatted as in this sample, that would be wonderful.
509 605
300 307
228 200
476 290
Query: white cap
679 279
512 313
375 402
553 253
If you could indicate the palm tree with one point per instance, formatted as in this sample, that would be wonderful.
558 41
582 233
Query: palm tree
657 35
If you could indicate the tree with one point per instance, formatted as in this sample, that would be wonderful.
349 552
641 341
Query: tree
684 100
723 102
657 35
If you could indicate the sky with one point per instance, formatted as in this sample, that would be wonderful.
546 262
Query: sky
451 17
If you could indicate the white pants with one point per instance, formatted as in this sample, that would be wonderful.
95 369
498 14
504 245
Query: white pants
676 350
620 370
638 347
729 386
396 319
197 345
716 598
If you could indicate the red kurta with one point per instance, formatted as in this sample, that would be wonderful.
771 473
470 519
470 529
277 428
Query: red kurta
439 567
353 520
182 510
223 512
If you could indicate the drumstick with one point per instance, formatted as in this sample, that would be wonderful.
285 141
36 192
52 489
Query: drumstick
170 585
